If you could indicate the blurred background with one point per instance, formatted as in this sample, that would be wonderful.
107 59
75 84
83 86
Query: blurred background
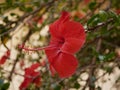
27 22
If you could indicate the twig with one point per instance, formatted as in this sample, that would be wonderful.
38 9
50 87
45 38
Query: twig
100 25
27 15
15 62
13 72
89 82
27 37
101 76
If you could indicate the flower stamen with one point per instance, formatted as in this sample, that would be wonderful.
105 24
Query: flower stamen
35 49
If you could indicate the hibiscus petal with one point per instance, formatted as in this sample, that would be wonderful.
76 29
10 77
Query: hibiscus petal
35 66
64 16
25 83
73 29
53 72
51 53
55 27
72 45
3 60
65 64
28 71
36 78
4 57
74 36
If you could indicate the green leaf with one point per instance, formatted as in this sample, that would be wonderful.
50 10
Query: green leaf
9 2
57 87
92 19
103 15
92 5
74 78
109 56
106 57
95 22
115 17
28 9
22 8
76 85
5 86
12 14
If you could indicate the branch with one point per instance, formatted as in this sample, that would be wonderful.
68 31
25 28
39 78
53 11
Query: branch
27 15
15 62
100 25
89 82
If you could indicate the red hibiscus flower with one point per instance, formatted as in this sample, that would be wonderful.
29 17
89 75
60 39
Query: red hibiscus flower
31 76
4 57
67 37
